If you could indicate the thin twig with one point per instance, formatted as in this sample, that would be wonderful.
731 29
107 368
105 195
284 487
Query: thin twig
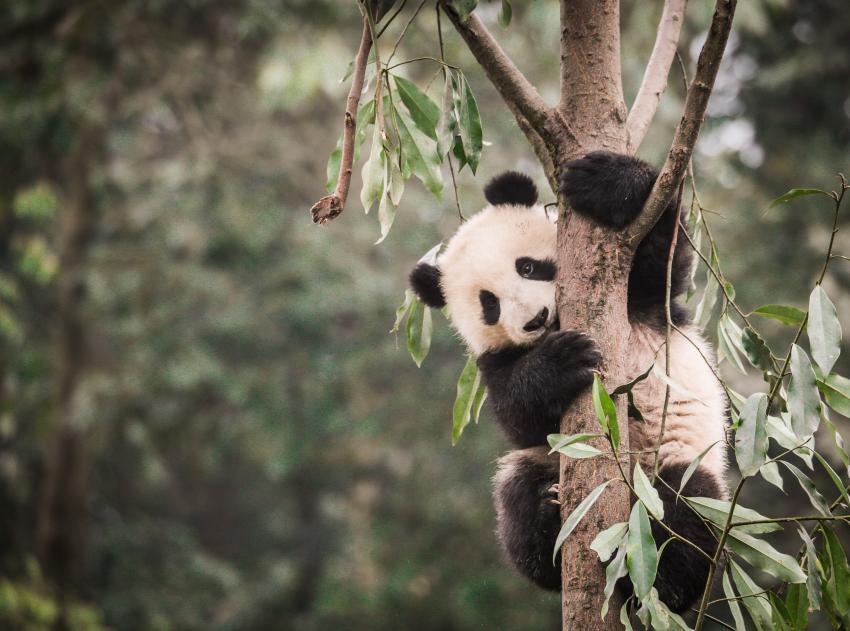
330 206
404 30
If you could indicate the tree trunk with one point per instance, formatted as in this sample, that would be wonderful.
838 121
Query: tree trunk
593 271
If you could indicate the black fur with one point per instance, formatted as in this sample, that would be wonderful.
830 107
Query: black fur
511 188
528 522
529 537
531 387
612 188
490 307
425 282
535 269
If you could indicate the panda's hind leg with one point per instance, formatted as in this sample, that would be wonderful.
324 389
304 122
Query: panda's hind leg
525 493
683 570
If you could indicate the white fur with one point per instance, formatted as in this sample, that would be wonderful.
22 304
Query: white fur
482 255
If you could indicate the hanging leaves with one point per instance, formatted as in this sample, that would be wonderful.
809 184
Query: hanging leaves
577 515
468 121
609 540
792 316
803 399
751 435
470 397
647 493
641 554
606 411
793 194
824 330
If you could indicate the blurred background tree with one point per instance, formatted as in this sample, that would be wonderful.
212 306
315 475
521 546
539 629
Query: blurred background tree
204 422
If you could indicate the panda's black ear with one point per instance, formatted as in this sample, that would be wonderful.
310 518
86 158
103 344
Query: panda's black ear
511 188
425 282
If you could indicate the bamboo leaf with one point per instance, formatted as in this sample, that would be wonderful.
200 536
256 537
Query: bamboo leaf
559 441
813 583
751 435
577 515
468 386
794 193
647 493
758 606
614 572
641 554
716 511
424 112
761 554
469 121
420 153
373 172
838 585
824 330
609 540
419 332
693 466
803 399
815 498
797 604
791 316
836 480
463 8
734 607
756 349
836 392
579 450
403 309
505 14
770 472
606 412
727 344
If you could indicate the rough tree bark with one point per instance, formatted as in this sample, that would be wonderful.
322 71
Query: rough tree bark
594 262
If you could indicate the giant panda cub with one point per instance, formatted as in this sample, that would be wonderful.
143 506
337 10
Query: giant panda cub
496 276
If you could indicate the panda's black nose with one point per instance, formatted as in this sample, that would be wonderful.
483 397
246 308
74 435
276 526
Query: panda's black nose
538 321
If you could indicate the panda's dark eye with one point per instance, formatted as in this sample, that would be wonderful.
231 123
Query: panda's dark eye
535 269
490 308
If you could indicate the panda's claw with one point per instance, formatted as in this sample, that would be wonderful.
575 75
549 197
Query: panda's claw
555 490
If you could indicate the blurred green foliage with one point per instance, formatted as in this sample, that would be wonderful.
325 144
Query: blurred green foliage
261 452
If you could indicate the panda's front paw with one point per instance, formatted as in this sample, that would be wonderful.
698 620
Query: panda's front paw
573 355
609 187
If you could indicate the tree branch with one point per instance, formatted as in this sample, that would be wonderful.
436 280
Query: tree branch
657 70
688 129
330 206
511 84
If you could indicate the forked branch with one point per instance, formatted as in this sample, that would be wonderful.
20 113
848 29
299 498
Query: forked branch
657 70
330 206
687 131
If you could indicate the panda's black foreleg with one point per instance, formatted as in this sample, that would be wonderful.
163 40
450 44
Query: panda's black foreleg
531 387
612 188
528 520
682 570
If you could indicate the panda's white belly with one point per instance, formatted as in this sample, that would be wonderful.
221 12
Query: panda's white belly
696 412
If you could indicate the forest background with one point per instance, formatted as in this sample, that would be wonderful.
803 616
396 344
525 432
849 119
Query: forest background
250 447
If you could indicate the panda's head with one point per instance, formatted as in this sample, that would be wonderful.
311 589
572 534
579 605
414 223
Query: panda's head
497 273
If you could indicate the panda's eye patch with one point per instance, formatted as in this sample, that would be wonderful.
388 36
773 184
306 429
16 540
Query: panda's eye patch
535 269
490 307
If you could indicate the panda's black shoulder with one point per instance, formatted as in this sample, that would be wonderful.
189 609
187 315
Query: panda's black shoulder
511 187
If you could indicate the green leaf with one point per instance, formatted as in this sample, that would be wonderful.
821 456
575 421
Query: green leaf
813 584
779 613
641 554
577 515
706 306
463 8
838 440
662 618
838 585
419 332
579 450
716 511
606 411
609 540
728 344
803 399
770 472
734 607
794 193
815 498
469 398
395 189
824 330
559 441
791 316
836 392
647 493
505 14
797 603
614 572
386 216
693 466
420 153
424 112
403 309
761 554
624 615
373 172
469 121
446 123
758 606
751 435
836 481
627 387
756 349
